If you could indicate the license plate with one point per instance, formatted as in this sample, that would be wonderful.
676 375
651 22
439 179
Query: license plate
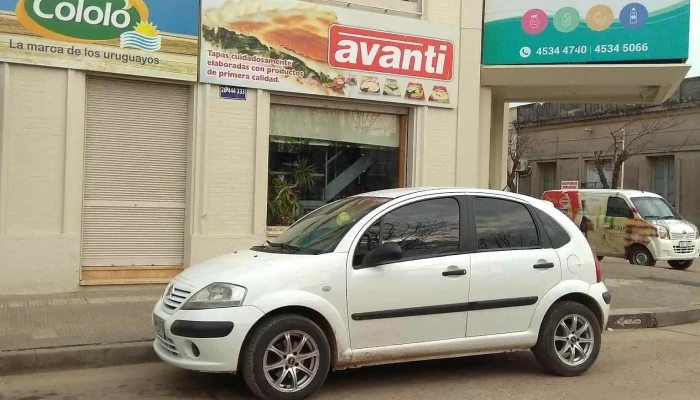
686 244
159 324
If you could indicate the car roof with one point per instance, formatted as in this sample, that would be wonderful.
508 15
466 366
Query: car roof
627 192
418 191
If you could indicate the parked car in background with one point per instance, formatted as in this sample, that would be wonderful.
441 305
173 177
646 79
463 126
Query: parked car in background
641 227
391 276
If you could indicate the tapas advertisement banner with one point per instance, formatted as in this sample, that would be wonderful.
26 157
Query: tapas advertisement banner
155 38
300 47
585 31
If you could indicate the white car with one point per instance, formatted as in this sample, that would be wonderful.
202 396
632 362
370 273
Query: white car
390 276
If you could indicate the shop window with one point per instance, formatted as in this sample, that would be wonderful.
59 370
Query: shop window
321 155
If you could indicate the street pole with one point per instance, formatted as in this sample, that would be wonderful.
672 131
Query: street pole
622 167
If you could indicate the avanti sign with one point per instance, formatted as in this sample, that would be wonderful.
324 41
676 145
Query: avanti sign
90 21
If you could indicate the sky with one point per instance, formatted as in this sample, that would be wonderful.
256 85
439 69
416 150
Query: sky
694 39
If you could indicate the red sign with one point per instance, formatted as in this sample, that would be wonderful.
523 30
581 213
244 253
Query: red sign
390 53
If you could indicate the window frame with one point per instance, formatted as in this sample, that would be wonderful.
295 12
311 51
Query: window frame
624 200
474 240
462 212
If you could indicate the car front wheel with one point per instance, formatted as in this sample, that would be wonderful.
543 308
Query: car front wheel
680 264
286 358
569 339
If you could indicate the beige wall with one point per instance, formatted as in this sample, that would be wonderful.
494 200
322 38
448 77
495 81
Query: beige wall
39 247
42 116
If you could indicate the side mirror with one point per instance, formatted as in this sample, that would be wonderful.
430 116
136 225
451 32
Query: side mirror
385 253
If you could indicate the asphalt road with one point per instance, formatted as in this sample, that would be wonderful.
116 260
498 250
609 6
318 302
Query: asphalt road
640 364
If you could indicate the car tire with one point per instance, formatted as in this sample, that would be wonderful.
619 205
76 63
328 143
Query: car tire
680 264
551 350
600 258
276 332
640 255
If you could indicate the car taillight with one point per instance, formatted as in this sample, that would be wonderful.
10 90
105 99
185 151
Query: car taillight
598 271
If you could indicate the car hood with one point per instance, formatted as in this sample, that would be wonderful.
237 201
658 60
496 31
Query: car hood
234 267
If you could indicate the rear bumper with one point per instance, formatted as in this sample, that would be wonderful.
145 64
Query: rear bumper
599 292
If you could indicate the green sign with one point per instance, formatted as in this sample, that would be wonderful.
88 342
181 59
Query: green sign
585 31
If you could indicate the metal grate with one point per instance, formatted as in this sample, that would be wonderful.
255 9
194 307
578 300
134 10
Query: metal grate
175 296
168 346
679 236
683 250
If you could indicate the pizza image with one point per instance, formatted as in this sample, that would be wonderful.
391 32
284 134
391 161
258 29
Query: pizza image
439 95
291 37
370 84
391 88
415 91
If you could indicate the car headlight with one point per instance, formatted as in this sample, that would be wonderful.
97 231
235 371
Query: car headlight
216 295
663 232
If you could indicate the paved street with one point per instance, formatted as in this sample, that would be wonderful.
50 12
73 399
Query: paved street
647 364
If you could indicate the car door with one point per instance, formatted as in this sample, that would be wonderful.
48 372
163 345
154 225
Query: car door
617 216
512 269
423 296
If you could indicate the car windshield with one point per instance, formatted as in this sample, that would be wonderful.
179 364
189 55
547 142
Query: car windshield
321 230
652 208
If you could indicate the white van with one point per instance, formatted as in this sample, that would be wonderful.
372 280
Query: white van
639 226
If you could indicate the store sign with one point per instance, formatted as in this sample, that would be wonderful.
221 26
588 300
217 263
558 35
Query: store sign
583 31
301 47
569 185
232 92
156 38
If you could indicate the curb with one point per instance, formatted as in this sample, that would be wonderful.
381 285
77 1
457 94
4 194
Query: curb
107 355
652 318
77 357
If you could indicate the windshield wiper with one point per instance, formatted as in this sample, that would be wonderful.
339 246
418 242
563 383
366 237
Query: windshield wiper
285 246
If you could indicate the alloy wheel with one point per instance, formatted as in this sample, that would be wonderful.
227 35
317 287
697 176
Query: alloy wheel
574 340
291 361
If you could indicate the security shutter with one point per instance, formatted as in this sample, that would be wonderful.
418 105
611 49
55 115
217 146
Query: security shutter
135 173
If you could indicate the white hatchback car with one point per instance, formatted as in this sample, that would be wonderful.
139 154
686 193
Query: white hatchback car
391 276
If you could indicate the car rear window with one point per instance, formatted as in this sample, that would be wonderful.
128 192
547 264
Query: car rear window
557 235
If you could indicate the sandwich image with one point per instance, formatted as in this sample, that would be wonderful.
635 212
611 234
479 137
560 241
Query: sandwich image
439 95
370 84
351 80
291 37
415 91
391 88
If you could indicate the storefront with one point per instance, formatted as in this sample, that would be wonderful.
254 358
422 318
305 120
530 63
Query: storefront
130 151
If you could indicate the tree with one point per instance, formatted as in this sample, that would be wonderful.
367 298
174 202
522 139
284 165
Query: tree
630 139
519 144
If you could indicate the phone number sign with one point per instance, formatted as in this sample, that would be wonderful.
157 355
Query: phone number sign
549 32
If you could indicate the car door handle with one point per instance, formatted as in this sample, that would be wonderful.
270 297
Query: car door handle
454 272
543 266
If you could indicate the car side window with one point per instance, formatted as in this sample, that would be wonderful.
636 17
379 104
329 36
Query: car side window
618 208
504 224
427 228
557 235
369 241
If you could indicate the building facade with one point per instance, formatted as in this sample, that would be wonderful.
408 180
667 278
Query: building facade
162 133
663 142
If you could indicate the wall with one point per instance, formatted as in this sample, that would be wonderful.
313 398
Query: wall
37 239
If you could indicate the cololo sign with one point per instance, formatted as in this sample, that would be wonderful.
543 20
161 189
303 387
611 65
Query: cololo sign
104 35
295 46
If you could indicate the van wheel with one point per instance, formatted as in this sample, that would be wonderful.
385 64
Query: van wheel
600 258
680 264
640 255
569 339
286 358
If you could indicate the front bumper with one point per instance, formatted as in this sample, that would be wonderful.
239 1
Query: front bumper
204 340
599 292
669 250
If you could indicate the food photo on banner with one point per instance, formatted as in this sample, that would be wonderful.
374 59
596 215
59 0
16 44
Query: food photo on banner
585 31
300 47
154 38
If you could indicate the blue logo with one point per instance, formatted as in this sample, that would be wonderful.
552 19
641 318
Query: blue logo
143 37
634 16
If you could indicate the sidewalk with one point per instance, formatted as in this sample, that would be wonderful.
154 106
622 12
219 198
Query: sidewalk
100 327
